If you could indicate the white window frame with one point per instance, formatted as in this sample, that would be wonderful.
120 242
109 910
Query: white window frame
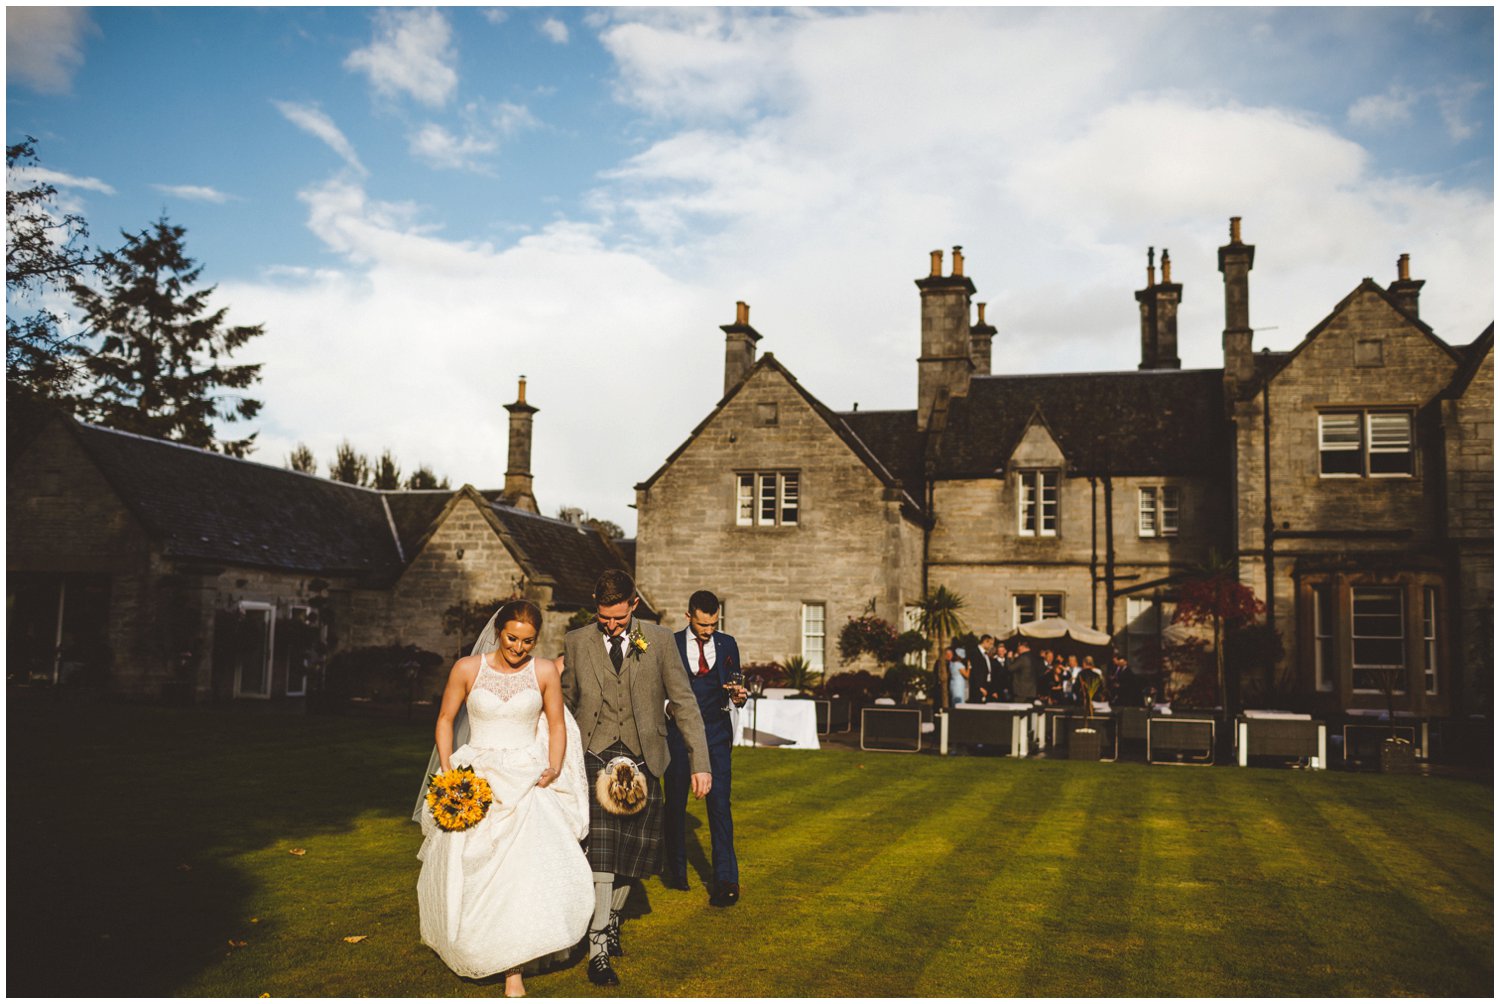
1324 652
1037 602
768 498
1429 640
270 650
1159 511
1032 487
1365 441
814 634
911 619
1354 639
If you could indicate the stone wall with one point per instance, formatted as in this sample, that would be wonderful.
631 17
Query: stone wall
1469 442
851 544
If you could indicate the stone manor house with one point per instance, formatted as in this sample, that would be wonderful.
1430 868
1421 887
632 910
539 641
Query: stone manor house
1351 478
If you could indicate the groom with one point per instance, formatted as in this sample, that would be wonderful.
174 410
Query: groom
622 673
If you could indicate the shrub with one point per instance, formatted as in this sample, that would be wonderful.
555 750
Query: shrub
867 634
381 672
860 686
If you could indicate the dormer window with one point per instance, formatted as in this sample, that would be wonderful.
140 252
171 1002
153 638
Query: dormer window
1370 444
1036 502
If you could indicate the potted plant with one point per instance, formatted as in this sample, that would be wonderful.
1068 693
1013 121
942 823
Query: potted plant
1396 754
1087 742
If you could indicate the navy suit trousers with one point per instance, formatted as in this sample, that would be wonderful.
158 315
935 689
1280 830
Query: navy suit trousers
676 782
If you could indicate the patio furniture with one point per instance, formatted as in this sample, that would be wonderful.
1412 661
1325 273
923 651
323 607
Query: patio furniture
1001 725
893 730
835 715
1283 734
1187 739
789 724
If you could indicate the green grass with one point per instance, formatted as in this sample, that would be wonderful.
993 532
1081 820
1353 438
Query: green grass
143 840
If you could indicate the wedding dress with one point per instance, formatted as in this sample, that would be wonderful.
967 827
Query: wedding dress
516 886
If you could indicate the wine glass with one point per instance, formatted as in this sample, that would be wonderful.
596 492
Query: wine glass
736 681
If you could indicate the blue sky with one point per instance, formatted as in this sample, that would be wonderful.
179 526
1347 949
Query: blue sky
422 204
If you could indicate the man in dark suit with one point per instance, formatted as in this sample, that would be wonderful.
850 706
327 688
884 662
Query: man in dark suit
1024 676
710 659
981 672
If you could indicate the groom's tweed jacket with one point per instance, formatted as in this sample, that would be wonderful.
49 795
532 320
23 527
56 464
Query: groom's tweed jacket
653 678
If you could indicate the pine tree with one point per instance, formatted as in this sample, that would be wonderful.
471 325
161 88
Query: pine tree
349 465
301 459
45 251
159 369
423 477
387 475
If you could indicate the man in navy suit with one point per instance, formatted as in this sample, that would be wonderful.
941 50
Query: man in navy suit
710 660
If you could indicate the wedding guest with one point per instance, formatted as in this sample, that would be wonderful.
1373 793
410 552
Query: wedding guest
1025 672
958 677
981 669
1089 675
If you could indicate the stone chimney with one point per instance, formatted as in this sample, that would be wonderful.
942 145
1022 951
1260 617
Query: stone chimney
1159 302
980 337
1235 260
518 471
739 346
946 362
1406 289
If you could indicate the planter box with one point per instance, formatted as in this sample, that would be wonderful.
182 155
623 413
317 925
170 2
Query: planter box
1397 757
1086 744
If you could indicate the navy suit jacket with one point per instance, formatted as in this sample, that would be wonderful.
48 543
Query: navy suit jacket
709 688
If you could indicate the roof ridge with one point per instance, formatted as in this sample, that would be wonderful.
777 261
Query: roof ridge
536 515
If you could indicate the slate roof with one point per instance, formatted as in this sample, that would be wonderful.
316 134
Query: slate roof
1140 422
893 437
571 555
414 514
210 507
1474 354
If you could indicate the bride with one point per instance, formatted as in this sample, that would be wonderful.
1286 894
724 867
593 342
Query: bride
516 886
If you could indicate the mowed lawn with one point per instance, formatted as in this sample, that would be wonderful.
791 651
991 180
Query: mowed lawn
144 841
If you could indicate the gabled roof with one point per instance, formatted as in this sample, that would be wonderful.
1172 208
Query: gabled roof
892 436
415 514
1136 422
571 556
1367 285
209 507
1474 355
835 422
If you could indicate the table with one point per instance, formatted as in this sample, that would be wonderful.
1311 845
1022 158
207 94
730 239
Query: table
787 723
1281 734
1000 724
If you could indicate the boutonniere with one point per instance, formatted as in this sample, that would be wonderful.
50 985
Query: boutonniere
638 641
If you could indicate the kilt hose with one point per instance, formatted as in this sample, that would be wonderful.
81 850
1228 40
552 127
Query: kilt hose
626 846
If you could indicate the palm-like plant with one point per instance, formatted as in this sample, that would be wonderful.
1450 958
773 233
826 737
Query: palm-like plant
939 619
800 674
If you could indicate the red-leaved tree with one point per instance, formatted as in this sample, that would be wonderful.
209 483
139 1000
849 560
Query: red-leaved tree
1215 595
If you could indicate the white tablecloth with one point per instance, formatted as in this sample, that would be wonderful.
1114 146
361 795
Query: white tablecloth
789 724
1283 715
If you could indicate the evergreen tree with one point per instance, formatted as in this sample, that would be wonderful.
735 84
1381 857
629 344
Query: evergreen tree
302 459
45 251
387 475
349 465
159 369
423 477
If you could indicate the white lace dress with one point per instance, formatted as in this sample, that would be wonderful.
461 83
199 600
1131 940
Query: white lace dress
517 886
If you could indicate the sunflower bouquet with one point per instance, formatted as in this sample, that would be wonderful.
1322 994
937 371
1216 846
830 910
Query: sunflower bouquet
458 798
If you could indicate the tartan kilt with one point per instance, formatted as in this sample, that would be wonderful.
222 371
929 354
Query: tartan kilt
624 845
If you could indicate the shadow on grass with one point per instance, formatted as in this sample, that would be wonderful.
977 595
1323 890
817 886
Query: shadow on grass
125 824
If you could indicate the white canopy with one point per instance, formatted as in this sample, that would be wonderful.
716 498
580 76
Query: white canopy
1059 627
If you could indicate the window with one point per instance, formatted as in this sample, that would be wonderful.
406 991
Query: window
252 674
1146 617
1429 640
1365 444
1037 501
1158 511
1036 606
298 638
767 498
1324 667
1379 638
814 616
765 413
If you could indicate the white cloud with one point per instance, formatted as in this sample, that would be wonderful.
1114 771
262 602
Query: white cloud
484 126
411 54
195 193
1380 111
44 46
555 30
317 123
494 15
1453 105
24 176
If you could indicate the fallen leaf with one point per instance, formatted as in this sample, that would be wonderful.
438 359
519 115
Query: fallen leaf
237 944
265 995
297 851
355 939
255 920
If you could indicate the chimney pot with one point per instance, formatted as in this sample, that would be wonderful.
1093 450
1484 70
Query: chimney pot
521 390
958 260
1403 267
1234 230
741 312
1166 266
1150 267
981 313
937 263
